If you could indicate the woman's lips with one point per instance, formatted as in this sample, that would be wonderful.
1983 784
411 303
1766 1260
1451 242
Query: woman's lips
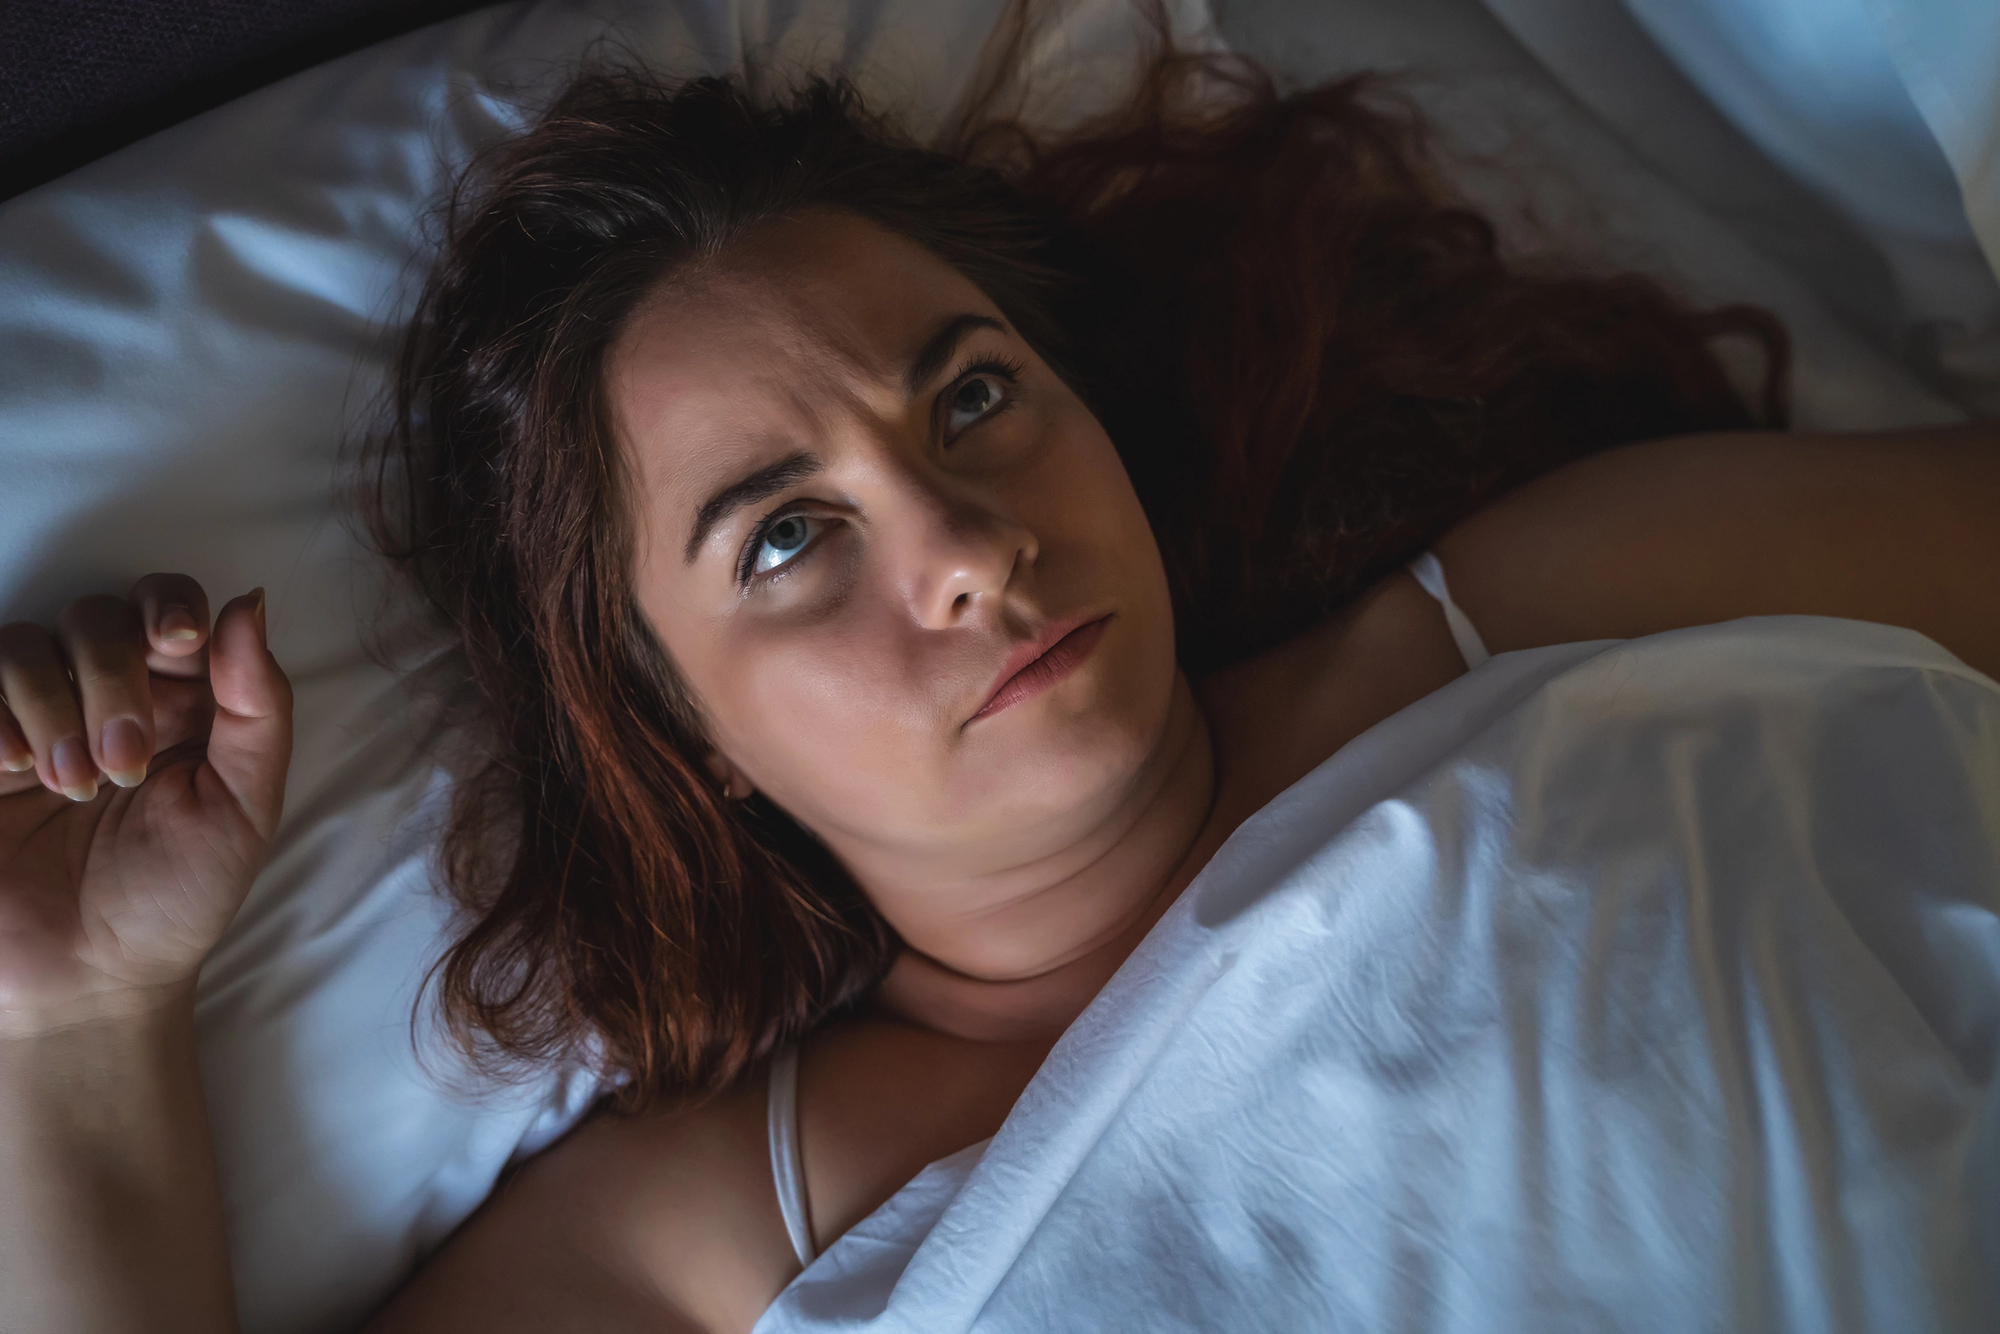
1046 668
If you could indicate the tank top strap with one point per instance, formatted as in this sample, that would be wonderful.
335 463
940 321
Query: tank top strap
1430 574
787 1170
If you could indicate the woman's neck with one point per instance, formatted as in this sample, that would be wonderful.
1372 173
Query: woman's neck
1066 936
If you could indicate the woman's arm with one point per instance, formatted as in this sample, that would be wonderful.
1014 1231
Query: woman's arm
1901 528
142 769
112 1219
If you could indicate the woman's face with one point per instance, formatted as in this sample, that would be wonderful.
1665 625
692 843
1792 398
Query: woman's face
861 500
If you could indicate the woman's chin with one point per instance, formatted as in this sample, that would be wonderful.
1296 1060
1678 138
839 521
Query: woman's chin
1053 767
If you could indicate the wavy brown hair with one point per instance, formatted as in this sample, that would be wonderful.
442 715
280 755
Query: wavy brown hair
1312 357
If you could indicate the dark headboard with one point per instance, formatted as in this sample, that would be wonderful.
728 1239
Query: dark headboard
79 78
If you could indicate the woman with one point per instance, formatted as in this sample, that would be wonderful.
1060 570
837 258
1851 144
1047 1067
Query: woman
887 580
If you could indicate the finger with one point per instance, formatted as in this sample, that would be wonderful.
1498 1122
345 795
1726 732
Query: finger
105 642
174 609
16 755
35 682
250 742
182 711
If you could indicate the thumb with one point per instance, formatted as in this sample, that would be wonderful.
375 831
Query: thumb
250 743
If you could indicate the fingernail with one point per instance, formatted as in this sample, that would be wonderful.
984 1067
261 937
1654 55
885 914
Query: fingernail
18 761
75 774
178 622
123 746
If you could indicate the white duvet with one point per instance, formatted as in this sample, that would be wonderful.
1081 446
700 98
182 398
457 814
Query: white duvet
1635 986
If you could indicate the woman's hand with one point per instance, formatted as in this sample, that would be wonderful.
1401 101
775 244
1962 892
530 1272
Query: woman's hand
112 892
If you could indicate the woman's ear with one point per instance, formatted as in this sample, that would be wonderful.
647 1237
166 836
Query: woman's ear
730 780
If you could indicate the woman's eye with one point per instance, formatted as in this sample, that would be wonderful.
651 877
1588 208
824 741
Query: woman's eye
781 541
971 401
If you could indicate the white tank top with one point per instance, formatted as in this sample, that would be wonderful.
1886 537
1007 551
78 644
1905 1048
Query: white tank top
787 1170
1430 575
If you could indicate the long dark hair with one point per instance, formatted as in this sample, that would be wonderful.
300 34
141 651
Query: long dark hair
1312 358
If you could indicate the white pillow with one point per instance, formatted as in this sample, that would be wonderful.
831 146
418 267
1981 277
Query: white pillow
1948 55
190 328
1889 110
1557 179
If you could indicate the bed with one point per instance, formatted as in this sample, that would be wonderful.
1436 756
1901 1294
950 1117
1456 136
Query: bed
196 324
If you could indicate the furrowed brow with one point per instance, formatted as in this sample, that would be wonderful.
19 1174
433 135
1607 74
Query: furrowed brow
767 481
793 468
937 349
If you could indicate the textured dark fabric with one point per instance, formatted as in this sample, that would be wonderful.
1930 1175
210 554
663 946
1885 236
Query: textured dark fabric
79 78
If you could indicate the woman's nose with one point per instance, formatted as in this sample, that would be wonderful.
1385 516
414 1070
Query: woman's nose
963 554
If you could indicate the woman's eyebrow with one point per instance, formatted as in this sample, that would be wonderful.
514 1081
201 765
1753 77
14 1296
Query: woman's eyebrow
796 467
937 349
766 481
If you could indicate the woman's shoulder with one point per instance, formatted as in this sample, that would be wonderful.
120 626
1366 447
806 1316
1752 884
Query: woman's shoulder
1275 717
1890 527
654 1222
669 1221
1893 527
880 1099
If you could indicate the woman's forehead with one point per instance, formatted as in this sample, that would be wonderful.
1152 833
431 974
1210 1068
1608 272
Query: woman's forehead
822 304
827 288
758 348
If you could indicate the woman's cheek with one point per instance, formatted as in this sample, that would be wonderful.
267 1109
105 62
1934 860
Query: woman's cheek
826 715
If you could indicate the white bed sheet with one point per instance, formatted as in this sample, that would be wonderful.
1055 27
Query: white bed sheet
1643 986
190 327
